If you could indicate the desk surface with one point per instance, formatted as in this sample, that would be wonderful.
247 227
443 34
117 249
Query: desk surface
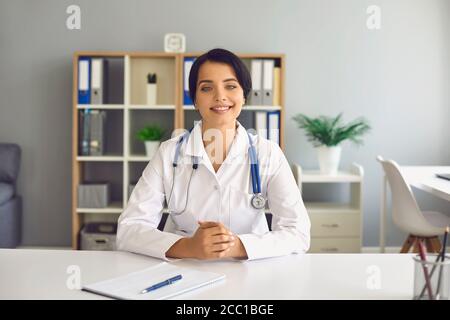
424 178
43 274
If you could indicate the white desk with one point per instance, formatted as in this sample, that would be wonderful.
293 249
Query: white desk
42 274
420 177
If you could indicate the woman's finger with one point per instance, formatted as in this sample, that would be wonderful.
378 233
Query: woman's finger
222 246
222 238
208 224
219 230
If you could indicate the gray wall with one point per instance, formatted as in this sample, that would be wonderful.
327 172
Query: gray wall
397 77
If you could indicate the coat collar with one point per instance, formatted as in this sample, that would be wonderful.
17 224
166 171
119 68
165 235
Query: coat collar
195 147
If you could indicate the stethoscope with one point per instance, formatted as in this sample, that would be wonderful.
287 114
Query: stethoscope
258 201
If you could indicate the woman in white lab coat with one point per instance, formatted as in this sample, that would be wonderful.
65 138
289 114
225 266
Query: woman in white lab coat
210 192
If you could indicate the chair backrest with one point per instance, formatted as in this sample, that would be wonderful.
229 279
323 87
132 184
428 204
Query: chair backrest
9 162
406 214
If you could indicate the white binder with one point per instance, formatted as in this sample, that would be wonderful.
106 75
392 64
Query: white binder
273 119
267 92
256 75
84 95
97 81
261 123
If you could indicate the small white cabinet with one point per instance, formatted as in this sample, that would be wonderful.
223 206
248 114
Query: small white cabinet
335 227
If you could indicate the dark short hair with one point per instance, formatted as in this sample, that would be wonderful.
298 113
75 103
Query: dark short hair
220 56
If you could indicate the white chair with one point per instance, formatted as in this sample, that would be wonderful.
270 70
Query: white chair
423 226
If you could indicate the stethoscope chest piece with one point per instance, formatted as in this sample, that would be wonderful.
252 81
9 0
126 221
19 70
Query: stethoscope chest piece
258 201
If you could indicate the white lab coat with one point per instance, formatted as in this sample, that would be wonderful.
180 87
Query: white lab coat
223 196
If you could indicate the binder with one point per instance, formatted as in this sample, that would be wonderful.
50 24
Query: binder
129 286
256 75
188 62
97 132
84 74
81 131
85 132
261 123
273 121
267 87
98 71
277 86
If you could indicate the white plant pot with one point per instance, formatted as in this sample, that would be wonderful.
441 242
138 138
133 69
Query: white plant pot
151 147
329 158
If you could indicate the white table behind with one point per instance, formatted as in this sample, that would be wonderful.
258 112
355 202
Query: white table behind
424 178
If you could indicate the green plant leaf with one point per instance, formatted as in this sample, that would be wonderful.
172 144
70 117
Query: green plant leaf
150 133
327 131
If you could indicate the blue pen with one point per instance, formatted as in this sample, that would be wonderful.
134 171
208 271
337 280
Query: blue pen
162 284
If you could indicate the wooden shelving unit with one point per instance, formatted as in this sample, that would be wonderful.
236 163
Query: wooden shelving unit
125 156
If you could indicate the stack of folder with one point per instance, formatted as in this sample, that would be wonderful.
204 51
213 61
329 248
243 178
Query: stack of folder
265 82
267 125
266 91
92 75
265 79
92 132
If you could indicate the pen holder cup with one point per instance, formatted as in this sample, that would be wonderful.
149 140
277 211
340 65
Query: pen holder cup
431 276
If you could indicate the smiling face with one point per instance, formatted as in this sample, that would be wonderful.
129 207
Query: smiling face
219 96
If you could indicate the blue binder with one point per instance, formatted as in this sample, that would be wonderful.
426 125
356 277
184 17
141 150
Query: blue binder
84 80
186 69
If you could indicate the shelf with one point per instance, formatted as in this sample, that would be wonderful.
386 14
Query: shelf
336 224
140 118
127 111
165 69
155 107
114 207
100 158
313 176
138 158
330 207
244 108
261 108
101 106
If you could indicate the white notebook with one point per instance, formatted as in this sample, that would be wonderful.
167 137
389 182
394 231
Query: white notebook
129 286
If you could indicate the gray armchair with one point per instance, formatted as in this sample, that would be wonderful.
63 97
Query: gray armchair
10 202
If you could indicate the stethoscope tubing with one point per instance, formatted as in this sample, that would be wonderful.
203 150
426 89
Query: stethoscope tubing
254 170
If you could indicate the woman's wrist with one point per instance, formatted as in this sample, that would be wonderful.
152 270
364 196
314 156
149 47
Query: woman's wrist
183 249
179 249
239 251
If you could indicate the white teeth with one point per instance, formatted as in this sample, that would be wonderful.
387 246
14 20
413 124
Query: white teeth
221 108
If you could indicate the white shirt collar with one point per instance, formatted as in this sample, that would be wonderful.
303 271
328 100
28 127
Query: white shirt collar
195 147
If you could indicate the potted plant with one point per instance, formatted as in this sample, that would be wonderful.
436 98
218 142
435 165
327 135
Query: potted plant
327 133
151 135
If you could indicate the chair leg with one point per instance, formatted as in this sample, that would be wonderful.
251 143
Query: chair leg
408 244
436 244
416 244
429 244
